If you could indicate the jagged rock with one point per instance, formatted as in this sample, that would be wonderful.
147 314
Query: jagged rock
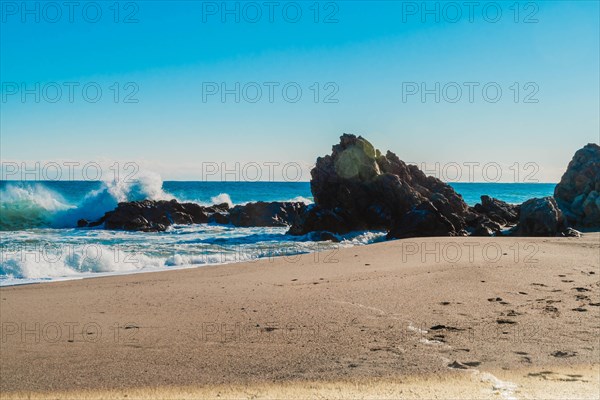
266 214
358 188
316 219
423 220
578 193
491 217
480 225
498 210
219 217
540 217
156 216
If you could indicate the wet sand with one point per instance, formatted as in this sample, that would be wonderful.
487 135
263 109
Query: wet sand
417 318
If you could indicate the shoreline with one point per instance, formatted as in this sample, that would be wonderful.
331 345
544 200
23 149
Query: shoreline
525 383
378 313
93 275
149 270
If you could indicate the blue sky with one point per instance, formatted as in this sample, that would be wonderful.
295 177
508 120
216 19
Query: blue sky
364 58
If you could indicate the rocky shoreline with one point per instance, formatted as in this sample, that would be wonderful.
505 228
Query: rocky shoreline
358 188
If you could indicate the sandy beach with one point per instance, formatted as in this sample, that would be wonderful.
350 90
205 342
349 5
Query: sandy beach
416 318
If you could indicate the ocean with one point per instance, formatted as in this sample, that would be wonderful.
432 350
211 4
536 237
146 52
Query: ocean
39 241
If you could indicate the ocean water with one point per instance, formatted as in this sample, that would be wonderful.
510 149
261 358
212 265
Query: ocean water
39 241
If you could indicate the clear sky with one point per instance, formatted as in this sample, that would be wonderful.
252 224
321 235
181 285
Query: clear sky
361 66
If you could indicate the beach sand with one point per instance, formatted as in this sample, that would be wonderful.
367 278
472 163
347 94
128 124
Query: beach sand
417 318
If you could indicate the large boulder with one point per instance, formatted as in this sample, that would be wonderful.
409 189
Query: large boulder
266 214
540 217
359 188
578 193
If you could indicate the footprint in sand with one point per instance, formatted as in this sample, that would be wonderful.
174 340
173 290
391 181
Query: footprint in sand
464 365
551 309
439 338
542 374
581 289
563 354
445 328
505 321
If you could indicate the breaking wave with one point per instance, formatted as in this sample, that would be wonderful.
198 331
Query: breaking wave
27 205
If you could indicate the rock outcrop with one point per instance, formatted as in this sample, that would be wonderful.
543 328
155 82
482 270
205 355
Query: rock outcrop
423 220
156 216
358 188
492 217
266 214
540 217
498 210
578 193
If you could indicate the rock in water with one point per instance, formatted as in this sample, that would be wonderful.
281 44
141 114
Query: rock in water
156 216
266 214
358 188
578 193
540 217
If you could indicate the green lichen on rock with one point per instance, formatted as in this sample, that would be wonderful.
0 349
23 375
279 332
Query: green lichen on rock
358 161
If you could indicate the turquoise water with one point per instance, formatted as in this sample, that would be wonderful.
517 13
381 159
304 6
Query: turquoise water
39 242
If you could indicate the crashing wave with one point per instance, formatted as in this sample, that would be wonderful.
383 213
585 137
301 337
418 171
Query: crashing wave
26 205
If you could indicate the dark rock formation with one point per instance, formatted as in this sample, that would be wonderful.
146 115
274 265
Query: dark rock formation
491 217
540 217
151 216
578 193
358 188
156 216
498 211
266 214
325 236
423 220
480 225
318 219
